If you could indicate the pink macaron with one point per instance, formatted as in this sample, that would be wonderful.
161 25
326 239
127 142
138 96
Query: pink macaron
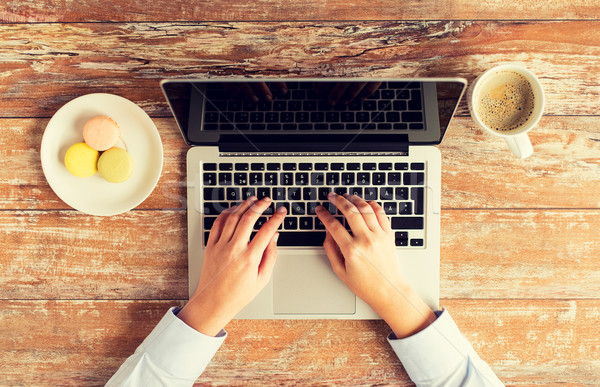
101 133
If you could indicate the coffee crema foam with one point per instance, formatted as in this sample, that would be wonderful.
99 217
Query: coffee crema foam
505 101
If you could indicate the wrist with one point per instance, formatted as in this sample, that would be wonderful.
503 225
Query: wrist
203 316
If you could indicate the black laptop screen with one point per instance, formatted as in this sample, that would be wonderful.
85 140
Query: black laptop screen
311 113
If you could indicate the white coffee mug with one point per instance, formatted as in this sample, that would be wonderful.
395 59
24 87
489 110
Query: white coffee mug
516 138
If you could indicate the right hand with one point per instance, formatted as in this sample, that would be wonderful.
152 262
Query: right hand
366 262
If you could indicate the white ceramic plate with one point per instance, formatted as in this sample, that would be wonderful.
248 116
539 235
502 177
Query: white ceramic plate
93 195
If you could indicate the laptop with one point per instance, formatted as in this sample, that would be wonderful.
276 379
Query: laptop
295 140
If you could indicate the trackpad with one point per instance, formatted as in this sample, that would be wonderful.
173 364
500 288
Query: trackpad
304 283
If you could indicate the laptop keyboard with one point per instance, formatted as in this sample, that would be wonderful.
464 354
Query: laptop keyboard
393 106
302 186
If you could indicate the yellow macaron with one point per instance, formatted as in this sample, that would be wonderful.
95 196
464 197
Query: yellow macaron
81 160
115 165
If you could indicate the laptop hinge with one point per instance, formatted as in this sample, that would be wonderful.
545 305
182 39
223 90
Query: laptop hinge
360 143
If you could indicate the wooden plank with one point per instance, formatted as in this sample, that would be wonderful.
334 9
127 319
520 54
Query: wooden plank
478 169
261 10
84 342
143 255
46 65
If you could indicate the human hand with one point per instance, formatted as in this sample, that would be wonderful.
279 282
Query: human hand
234 270
366 262
345 92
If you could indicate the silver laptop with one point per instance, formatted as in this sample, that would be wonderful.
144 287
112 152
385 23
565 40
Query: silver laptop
295 140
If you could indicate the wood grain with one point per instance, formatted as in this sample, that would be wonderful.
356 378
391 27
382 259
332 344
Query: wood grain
478 169
508 254
46 65
84 342
262 10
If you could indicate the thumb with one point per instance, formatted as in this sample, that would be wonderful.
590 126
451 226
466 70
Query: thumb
268 259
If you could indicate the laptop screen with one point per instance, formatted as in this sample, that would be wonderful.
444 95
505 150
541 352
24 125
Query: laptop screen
308 114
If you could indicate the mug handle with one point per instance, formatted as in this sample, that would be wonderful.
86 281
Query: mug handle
520 145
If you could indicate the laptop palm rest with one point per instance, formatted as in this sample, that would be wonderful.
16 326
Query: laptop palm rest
304 283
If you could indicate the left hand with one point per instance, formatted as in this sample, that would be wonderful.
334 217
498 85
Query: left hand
234 270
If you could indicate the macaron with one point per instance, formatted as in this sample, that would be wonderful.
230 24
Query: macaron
115 165
81 160
101 133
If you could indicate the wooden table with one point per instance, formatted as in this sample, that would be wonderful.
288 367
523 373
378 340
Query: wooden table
520 238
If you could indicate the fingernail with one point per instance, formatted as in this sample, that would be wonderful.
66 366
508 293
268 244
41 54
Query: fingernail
281 210
267 199
331 194
275 237
319 208
252 198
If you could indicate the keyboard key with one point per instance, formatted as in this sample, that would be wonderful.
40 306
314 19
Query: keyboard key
309 193
319 226
240 178
378 178
214 194
278 193
226 166
271 178
225 178
363 178
332 178
385 166
290 223
270 210
401 193
257 166
386 193
340 190
294 194
287 178
337 166
241 166
370 193
369 166
347 178
317 178
283 204
305 167
353 166
405 208
260 222
417 166
390 208
289 166
412 117
401 234
301 178
209 221
358 191
394 178
233 194
417 195
416 242
256 178
214 208
414 178
329 207
247 192
401 166
323 192
415 101
209 166
306 238
401 242
321 167
306 223
298 208
209 178
407 223
262 192
311 208
273 167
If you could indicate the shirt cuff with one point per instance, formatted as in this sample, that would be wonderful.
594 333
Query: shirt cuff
179 349
433 352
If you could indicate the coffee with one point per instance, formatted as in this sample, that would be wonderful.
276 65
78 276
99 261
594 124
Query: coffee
505 101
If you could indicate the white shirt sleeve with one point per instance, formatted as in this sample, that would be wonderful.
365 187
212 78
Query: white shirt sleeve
173 354
440 355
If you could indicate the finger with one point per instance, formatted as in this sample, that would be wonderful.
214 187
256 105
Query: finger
336 258
215 231
337 92
234 217
333 226
265 269
248 92
263 236
366 211
353 91
353 216
382 218
248 219
262 90
368 90
281 87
